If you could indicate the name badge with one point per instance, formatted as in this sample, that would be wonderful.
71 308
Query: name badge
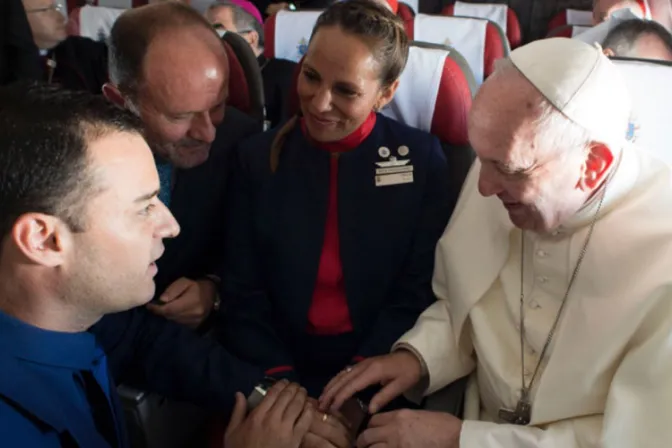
393 171
394 179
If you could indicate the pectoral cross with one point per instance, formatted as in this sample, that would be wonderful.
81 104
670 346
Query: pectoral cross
521 416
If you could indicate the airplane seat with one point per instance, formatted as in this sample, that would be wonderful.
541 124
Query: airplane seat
568 31
505 17
566 17
94 22
247 77
648 83
118 4
245 86
287 34
407 14
476 39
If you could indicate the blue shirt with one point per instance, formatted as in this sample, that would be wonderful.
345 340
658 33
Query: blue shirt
46 384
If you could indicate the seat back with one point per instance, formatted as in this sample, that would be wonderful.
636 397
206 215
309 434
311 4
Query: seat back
505 17
475 39
413 5
648 82
570 17
246 94
287 34
407 14
94 22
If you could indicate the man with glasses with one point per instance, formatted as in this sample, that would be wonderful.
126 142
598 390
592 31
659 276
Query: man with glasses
243 18
76 63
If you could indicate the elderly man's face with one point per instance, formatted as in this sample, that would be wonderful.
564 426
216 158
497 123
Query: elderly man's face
538 185
183 94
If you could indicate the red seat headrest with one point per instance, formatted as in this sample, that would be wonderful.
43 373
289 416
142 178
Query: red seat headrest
478 40
571 17
509 23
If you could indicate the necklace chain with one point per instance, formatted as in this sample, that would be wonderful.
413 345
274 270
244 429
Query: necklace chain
526 389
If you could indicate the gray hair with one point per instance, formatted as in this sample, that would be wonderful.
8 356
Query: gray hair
243 20
623 38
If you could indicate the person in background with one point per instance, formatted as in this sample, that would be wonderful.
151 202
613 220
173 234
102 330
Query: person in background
564 330
81 228
169 67
243 18
274 8
644 39
76 63
661 12
604 9
336 215
18 53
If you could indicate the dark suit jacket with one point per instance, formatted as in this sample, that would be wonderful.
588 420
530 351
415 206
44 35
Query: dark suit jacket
156 355
18 53
198 202
81 64
388 237
277 75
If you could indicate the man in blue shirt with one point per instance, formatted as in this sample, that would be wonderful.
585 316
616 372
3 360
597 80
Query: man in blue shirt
81 228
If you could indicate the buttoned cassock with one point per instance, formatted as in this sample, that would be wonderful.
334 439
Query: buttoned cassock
607 378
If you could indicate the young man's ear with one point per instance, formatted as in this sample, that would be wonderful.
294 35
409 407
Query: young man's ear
42 239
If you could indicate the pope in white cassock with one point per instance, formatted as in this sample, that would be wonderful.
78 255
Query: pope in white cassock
553 277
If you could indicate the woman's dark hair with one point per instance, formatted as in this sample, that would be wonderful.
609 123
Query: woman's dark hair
373 23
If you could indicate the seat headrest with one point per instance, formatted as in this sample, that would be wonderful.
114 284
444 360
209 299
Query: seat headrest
287 34
94 22
249 65
239 91
413 5
407 14
476 39
570 17
648 82
503 16
434 93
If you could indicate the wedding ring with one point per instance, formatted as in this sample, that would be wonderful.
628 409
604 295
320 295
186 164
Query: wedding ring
325 417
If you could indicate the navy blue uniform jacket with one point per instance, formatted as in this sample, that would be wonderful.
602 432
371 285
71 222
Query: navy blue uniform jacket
388 236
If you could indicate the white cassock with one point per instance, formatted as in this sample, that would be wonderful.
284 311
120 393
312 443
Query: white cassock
607 381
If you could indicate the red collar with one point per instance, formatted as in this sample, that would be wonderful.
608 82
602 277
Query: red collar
346 143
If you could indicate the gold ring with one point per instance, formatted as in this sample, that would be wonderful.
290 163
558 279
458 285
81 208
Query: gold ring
325 417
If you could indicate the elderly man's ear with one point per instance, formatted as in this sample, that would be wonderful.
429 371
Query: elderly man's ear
608 52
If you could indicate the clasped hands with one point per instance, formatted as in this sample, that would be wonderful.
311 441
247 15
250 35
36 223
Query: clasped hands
286 418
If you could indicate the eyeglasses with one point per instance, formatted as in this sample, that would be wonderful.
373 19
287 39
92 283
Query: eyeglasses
55 7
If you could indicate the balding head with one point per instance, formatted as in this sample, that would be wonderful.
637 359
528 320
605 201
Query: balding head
135 31
179 61
644 39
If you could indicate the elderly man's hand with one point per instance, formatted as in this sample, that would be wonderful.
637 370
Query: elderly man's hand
396 372
185 301
411 429
328 430
281 420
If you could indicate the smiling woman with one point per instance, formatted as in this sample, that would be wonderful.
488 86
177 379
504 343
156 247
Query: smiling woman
336 214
